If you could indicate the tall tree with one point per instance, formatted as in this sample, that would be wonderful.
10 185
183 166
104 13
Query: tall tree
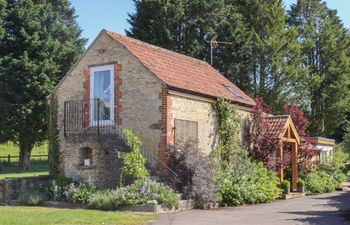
3 4
325 52
346 140
263 58
187 27
41 40
274 65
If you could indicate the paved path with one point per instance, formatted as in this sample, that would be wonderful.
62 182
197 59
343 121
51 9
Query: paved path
326 209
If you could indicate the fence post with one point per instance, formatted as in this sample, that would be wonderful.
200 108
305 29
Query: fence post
9 158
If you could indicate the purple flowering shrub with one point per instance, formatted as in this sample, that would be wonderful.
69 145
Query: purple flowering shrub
141 192
67 189
138 193
196 174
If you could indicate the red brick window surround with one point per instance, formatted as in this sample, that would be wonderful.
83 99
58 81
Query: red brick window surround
117 68
86 73
117 94
166 136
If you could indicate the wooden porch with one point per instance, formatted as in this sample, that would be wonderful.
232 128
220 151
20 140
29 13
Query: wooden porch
285 130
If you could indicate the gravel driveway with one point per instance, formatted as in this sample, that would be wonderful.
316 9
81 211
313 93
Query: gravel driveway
327 209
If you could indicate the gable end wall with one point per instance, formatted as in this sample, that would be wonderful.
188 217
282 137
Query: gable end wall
137 101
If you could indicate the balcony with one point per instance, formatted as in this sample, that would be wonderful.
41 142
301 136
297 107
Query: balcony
88 117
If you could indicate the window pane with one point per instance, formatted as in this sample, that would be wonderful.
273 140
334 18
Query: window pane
102 95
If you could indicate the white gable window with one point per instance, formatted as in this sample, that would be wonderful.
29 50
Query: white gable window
102 95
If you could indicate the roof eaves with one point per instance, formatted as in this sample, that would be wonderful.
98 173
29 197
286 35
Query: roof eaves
75 64
138 59
208 96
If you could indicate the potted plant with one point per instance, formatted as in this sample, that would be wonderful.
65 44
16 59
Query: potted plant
301 186
285 185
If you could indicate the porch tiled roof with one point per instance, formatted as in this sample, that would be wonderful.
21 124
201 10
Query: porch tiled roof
277 125
181 72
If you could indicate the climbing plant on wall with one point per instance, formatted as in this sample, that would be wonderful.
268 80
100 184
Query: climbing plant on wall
228 131
53 135
133 167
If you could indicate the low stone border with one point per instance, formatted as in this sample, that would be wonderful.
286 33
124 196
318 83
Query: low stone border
10 188
183 205
293 195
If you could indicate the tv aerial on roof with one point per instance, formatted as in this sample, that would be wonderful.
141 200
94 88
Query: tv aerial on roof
215 44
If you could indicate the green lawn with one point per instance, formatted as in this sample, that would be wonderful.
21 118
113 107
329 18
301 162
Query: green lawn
11 171
18 215
11 149
36 168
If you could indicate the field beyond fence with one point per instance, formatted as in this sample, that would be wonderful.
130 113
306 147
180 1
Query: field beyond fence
9 157
15 158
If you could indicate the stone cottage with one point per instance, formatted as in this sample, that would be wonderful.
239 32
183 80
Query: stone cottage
120 82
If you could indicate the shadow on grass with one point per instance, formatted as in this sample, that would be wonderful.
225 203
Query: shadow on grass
11 170
339 211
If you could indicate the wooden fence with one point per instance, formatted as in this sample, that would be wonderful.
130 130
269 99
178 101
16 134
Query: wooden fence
15 158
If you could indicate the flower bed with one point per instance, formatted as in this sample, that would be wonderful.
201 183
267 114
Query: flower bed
142 195
141 192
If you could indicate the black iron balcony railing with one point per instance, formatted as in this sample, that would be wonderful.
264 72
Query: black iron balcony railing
96 118
92 117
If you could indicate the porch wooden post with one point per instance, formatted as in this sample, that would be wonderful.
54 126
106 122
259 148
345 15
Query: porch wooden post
280 169
294 166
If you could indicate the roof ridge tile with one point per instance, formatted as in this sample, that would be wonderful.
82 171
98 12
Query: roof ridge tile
157 47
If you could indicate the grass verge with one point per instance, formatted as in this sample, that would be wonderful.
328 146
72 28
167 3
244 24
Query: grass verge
36 169
18 215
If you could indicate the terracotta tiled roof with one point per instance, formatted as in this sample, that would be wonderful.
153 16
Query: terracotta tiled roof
277 125
181 72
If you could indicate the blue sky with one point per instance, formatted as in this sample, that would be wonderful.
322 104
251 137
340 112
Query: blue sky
94 15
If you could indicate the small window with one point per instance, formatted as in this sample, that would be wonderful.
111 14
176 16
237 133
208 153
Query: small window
232 90
85 158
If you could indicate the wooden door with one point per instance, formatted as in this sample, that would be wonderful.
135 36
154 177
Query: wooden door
186 130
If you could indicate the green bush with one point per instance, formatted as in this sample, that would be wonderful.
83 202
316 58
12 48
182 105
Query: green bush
32 198
318 182
285 184
329 175
104 200
339 177
58 187
67 189
240 185
139 193
162 194
144 190
81 193
133 167
301 183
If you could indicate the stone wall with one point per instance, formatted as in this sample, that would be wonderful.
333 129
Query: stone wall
200 110
11 188
105 165
139 102
144 104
